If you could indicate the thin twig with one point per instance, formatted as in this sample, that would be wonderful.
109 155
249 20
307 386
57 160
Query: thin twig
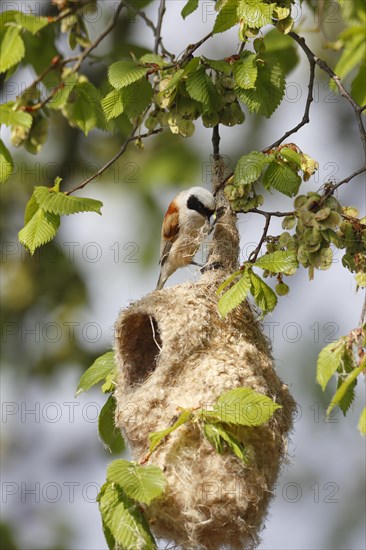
344 93
270 214
254 254
159 25
141 14
335 186
98 40
306 118
216 142
363 314
132 137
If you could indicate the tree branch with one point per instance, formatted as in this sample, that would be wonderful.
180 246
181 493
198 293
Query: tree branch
344 93
335 186
254 254
159 25
98 40
305 119
122 150
216 142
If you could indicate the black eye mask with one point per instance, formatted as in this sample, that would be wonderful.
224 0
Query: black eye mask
193 203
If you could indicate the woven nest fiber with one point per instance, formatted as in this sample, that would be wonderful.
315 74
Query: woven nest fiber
174 350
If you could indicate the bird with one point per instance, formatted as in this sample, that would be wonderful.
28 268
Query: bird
184 227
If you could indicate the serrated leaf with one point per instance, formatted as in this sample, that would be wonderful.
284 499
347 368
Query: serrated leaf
227 17
218 65
30 209
348 398
12 48
109 433
244 407
354 51
59 203
279 261
245 71
9 117
263 295
341 392
250 167
269 88
362 422
99 371
201 88
142 483
282 47
60 99
85 109
255 14
124 520
112 105
229 280
235 295
221 438
281 177
124 73
329 361
153 58
156 438
136 98
6 163
40 230
189 8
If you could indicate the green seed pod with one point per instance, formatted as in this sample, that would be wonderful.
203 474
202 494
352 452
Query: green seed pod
332 221
19 134
187 107
289 222
303 256
38 135
186 128
350 211
333 204
322 214
282 289
227 82
210 119
300 202
151 122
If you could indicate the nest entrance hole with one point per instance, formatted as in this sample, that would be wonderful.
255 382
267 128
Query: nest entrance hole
140 344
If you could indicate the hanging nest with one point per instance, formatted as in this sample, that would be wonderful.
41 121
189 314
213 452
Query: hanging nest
174 350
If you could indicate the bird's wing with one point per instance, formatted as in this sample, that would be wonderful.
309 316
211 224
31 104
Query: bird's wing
169 231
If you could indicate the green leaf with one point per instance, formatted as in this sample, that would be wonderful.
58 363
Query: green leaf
153 58
109 433
281 177
362 422
39 230
59 203
123 519
123 73
29 22
250 167
221 439
156 438
255 14
279 261
269 89
227 17
245 71
60 99
282 48
10 117
6 163
85 109
112 104
97 372
291 155
189 8
330 359
142 483
30 209
235 295
341 392
12 48
263 295
229 280
358 89
244 407
218 65
201 88
354 51
136 98
348 398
